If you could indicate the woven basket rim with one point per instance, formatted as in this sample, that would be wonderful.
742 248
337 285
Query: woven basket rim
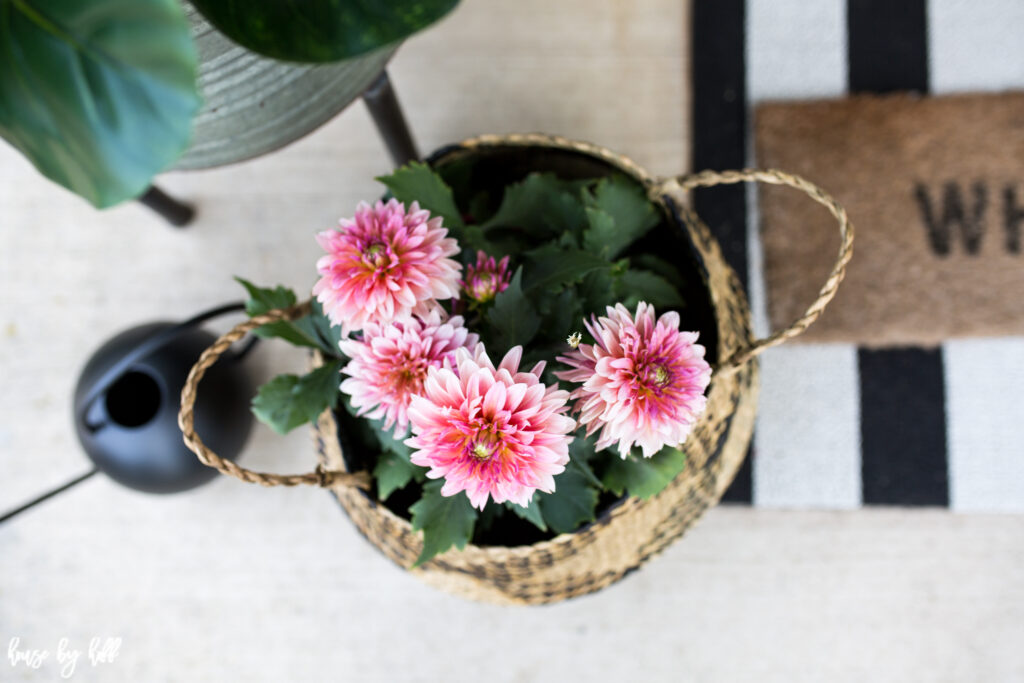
620 161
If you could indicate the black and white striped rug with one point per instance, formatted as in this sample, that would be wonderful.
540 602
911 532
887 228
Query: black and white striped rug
839 426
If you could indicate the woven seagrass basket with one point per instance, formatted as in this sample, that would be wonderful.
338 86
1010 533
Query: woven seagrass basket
631 530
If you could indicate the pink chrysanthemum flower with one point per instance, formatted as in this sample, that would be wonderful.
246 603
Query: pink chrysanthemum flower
643 381
487 279
390 362
385 264
491 431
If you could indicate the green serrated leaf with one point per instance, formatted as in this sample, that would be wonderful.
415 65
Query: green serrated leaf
531 513
656 265
584 469
513 315
288 401
98 95
392 472
572 504
597 291
273 404
582 447
642 285
568 240
417 182
560 315
479 206
630 211
263 299
547 353
420 183
317 389
485 520
320 30
300 332
601 235
328 334
644 477
550 267
539 205
445 521
387 440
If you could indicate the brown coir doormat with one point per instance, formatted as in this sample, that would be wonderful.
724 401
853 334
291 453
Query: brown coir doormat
935 187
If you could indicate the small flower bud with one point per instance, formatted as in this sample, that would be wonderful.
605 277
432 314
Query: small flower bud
487 278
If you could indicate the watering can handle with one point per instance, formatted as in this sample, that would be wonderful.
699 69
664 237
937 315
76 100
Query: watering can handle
320 477
774 177
146 347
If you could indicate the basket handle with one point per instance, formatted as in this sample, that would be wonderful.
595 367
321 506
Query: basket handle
774 177
321 476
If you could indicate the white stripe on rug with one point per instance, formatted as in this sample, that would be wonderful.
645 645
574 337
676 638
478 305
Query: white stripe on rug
976 46
807 443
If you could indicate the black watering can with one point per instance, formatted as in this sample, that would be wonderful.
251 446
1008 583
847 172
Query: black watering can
126 405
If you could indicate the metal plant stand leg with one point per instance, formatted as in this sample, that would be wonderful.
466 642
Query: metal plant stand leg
170 209
380 99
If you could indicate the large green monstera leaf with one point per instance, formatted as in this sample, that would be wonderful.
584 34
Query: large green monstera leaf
98 94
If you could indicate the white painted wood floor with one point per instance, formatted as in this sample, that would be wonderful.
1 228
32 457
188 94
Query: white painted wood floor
236 582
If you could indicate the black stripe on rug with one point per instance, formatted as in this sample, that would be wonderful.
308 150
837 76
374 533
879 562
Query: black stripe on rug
903 417
718 31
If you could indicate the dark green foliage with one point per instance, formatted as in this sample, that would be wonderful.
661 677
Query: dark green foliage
288 401
601 233
416 182
320 30
393 471
562 314
619 214
635 286
513 316
551 268
329 335
572 503
313 330
300 332
539 207
655 264
445 521
644 477
531 513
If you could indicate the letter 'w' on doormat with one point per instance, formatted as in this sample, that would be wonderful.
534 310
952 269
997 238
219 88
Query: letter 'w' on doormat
935 187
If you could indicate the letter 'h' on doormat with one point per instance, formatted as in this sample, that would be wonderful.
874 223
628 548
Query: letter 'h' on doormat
935 187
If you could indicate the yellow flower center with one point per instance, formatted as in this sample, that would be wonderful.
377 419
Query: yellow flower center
377 255
484 287
484 446
660 375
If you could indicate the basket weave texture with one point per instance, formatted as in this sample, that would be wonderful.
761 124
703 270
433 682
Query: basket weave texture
632 530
